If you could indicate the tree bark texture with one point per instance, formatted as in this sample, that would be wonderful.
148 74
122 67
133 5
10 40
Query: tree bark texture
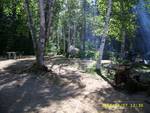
104 35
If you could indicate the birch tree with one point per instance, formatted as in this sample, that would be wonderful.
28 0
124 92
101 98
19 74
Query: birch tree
45 12
104 34
118 25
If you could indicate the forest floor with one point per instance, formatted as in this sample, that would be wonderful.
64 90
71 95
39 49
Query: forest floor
69 89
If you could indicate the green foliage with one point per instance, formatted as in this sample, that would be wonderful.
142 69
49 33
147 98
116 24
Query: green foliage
121 17
91 69
51 48
66 15
91 54
14 33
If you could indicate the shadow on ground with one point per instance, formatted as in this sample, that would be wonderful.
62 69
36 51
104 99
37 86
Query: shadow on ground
21 93
28 92
110 101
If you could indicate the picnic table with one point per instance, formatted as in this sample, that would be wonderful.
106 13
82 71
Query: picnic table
11 54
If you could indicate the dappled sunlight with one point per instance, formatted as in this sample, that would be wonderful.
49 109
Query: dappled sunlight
74 56
69 90
31 93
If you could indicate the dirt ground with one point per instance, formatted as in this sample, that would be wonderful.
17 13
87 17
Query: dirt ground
67 90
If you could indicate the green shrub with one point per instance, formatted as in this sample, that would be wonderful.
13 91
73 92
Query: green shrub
89 54
51 48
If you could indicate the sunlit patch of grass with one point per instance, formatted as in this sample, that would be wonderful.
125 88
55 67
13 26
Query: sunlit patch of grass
90 68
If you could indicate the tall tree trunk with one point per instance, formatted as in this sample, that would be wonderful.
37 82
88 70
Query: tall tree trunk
103 40
58 41
64 40
69 38
31 24
83 36
74 34
123 28
49 18
68 44
83 26
42 37
40 43
123 44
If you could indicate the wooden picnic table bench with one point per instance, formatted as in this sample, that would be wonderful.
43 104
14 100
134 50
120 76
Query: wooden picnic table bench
11 54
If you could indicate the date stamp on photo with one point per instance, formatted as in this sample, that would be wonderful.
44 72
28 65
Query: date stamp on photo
108 105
